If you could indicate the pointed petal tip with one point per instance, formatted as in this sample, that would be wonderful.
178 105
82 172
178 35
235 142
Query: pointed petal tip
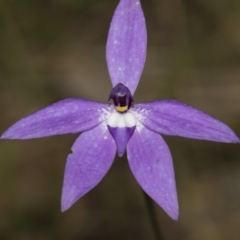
68 199
7 135
174 215
176 218
232 138
171 208
4 135
63 209
237 141
65 206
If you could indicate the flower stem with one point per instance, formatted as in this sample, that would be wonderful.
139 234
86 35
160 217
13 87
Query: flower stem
153 217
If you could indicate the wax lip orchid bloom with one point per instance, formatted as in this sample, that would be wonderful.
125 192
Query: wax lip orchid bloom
111 128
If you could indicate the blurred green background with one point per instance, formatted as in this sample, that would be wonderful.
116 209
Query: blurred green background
50 50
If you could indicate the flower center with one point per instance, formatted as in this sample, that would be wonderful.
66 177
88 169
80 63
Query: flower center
119 120
122 98
121 126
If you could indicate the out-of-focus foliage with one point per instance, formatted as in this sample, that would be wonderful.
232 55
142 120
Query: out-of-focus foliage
51 50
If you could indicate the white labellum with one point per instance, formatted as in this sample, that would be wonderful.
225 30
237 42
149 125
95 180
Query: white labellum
121 120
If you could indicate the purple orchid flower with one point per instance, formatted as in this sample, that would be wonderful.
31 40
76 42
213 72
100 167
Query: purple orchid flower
111 128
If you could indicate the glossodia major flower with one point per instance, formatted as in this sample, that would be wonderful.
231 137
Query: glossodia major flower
111 128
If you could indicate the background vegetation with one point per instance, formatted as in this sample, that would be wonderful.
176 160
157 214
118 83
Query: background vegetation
50 50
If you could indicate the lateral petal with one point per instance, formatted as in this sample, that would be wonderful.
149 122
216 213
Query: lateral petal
66 116
151 163
126 44
92 156
172 117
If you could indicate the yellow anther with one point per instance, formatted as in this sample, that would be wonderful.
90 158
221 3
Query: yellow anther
121 109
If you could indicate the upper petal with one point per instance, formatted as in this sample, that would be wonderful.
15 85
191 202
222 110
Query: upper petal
126 44
93 154
151 163
66 116
172 117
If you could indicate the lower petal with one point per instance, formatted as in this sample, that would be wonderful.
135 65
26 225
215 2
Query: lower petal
151 163
92 156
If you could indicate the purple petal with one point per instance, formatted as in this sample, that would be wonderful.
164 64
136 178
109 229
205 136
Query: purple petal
93 154
121 137
171 117
151 163
126 44
66 116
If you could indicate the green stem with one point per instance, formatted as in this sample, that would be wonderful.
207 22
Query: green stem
153 217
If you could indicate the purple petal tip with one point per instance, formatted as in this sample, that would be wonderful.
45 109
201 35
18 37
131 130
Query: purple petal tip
67 200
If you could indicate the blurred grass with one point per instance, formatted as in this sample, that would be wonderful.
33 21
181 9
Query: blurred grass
51 50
